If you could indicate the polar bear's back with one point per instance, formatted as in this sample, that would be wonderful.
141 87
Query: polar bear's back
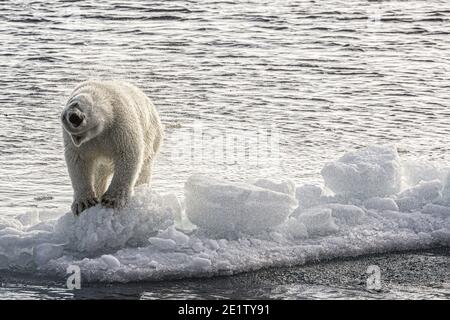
134 100
147 114
127 103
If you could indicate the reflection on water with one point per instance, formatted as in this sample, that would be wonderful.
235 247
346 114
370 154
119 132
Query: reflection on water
328 75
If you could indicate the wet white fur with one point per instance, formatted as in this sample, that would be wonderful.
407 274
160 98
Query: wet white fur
123 135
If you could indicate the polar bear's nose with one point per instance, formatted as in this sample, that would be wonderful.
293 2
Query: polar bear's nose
75 119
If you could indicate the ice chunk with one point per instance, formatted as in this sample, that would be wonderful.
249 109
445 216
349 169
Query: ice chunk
42 226
277 237
420 170
98 229
10 223
29 218
172 233
318 221
381 204
407 204
365 173
44 252
293 228
223 208
346 214
51 214
201 263
163 244
436 210
111 261
287 187
172 202
308 196
446 191
425 191
212 244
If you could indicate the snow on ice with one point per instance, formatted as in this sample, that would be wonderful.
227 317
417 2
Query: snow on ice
371 172
372 202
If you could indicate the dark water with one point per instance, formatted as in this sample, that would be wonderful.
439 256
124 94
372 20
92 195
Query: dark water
313 78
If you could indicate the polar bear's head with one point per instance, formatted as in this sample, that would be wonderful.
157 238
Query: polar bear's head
82 119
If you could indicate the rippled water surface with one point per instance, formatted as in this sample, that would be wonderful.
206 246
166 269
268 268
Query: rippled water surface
315 78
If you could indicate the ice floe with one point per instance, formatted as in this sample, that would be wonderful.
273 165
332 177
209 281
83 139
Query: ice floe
371 202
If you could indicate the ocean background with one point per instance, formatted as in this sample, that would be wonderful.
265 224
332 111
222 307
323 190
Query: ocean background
312 78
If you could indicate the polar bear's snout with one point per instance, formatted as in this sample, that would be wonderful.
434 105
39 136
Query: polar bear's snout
73 117
76 119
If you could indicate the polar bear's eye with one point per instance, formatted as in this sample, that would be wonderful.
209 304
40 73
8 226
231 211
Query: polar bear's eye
74 105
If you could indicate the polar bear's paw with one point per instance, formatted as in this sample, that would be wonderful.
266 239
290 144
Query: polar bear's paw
116 199
79 205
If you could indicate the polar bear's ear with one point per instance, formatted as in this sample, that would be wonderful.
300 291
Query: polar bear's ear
73 101
79 100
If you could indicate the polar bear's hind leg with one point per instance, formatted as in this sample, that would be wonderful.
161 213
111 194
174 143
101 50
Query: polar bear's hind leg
146 172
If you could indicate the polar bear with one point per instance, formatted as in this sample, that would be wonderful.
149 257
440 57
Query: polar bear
110 128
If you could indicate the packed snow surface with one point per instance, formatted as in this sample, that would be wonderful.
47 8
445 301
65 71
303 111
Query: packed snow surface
372 202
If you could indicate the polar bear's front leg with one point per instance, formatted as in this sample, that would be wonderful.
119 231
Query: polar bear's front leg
81 175
126 169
